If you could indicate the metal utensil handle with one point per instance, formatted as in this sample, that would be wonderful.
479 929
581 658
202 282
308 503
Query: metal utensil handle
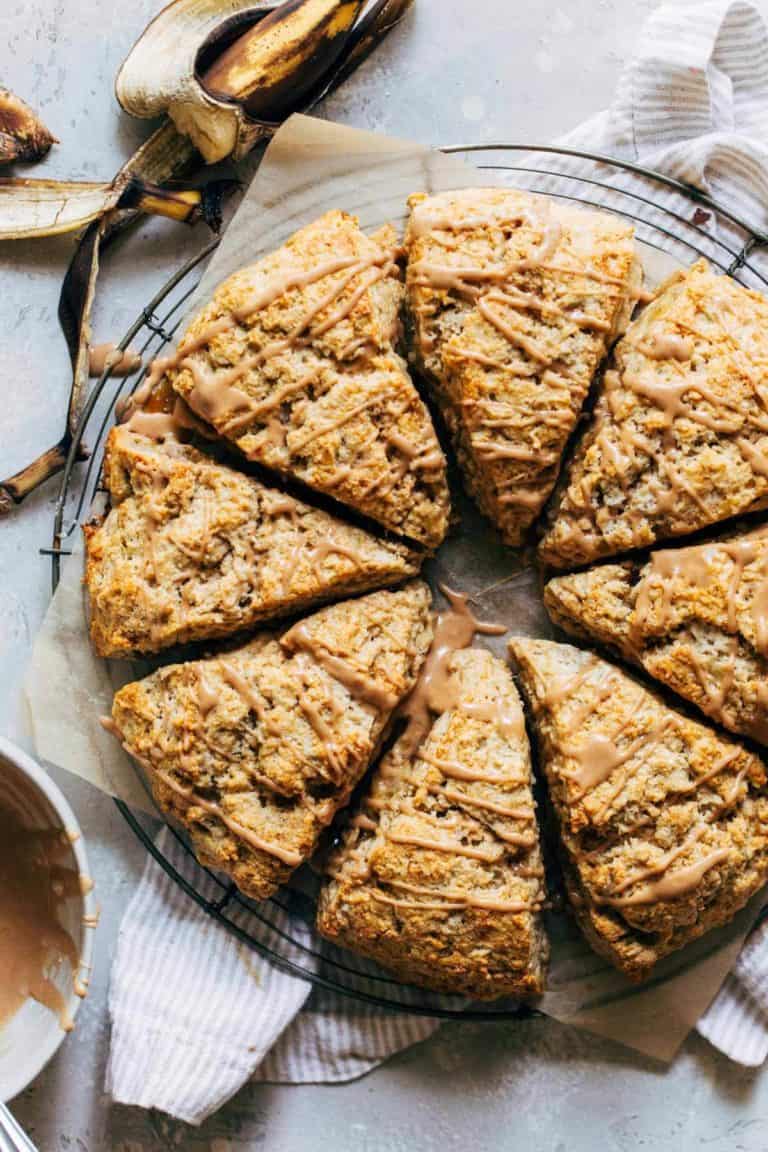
13 1138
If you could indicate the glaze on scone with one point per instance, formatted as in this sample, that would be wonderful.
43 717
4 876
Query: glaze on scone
294 361
695 618
513 301
439 875
255 750
663 821
679 436
192 549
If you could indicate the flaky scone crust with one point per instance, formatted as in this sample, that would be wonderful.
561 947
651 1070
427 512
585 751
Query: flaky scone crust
694 618
500 396
480 952
337 409
281 767
679 795
192 550
673 445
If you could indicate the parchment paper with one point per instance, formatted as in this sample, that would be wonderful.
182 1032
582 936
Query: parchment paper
312 166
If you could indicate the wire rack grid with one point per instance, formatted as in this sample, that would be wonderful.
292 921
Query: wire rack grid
669 218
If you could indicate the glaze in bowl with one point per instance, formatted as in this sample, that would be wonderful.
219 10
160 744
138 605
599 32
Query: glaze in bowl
31 1037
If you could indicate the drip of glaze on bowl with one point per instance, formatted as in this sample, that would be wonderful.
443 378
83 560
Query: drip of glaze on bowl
33 886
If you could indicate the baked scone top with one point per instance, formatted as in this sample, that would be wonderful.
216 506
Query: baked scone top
664 821
514 300
192 549
255 749
679 435
696 618
294 361
439 874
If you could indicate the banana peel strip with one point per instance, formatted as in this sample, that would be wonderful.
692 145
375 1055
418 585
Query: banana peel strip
49 207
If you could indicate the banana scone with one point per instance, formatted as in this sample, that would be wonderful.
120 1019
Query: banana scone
192 549
663 821
513 301
695 618
255 750
294 361
439 875
679 435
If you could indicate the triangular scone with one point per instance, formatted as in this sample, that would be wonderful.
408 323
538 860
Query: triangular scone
192 549
293 360
663 821
439 875
513 301
255 750
695 618
679 435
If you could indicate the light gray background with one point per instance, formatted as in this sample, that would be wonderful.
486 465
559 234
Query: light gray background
457 71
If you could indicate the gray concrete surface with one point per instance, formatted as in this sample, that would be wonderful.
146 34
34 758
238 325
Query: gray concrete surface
456 72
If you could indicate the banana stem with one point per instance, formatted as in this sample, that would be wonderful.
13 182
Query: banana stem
16 488
177 204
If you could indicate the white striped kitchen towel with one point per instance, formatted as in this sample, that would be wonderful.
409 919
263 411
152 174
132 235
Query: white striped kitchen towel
195 1013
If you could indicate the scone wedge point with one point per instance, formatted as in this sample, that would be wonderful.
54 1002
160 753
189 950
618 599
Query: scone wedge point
678 439
439 875
256 749
695 618
294 361
192 549
513 301
663 821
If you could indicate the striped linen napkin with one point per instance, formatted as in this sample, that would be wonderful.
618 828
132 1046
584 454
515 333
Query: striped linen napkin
194 1013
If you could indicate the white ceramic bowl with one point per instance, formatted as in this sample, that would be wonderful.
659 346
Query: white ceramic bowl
30 1038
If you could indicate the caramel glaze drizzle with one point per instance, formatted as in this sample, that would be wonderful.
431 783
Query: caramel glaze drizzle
162 526
697 566
216 397
437 692
103 356
305 652
493 284
598 758
668 396
300 638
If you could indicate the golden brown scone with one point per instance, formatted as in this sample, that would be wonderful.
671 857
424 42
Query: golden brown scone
663 821
695 618
513 302
439 874
255 750
294 361
679 436
192 549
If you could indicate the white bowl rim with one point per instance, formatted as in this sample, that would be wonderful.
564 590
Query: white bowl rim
53 794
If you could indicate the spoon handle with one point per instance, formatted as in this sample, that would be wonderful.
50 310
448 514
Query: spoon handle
13 1138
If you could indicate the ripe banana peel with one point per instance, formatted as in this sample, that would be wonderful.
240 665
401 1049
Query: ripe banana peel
23 136
226 73
274 65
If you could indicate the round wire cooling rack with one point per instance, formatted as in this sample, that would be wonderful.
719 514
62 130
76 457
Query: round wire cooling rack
670 218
